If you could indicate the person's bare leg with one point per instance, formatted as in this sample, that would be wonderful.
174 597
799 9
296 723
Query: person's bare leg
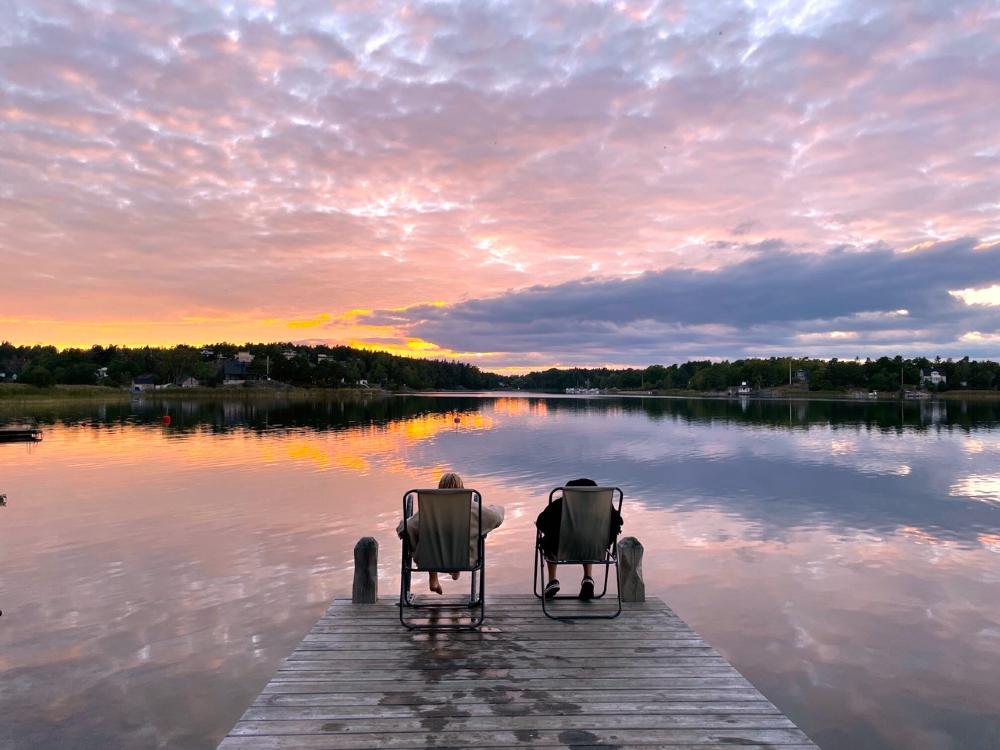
435 583
588 570
552 569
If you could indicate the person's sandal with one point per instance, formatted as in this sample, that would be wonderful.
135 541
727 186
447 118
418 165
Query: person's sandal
551 589
587 588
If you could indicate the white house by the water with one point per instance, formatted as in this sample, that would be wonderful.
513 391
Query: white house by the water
932 378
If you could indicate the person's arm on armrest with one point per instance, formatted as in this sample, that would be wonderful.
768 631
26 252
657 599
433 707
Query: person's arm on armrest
548 520
492 517
616 525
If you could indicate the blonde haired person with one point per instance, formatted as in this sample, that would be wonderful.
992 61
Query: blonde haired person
492 518
451 481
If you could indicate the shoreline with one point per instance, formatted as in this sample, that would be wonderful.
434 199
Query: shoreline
19 394
890 397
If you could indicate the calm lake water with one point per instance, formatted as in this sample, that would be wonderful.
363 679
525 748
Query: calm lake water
844 556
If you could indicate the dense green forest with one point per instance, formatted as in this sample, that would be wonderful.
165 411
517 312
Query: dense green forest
329 366
333 366
883 374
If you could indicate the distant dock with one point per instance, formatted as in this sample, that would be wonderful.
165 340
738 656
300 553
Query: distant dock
645 679
20 435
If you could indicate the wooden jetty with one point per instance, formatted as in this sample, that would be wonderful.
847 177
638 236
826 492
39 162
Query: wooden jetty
19 434
645 679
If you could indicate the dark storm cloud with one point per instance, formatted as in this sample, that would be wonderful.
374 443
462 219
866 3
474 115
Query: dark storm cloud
842 300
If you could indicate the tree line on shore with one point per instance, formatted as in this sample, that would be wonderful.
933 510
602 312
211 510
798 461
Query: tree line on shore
305 366
338 366
882 374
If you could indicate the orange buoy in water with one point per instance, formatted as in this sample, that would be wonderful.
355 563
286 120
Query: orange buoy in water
166 419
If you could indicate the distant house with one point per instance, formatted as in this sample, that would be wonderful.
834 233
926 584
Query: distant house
102 372
932 378
741 390
189 382
289 354
234 372
244 357
142 383
207 353
323 357
802 376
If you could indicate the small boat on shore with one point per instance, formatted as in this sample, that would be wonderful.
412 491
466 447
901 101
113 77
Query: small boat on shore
20 434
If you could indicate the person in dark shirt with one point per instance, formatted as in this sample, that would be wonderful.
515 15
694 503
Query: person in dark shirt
548 523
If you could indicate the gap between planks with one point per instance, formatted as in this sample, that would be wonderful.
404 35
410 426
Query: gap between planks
358 680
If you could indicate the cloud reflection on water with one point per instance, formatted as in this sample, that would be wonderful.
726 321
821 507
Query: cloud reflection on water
154 577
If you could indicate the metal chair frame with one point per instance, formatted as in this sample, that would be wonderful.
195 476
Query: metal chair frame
610 558
477 600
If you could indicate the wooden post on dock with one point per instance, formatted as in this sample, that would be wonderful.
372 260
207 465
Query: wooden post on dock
365 589
630 560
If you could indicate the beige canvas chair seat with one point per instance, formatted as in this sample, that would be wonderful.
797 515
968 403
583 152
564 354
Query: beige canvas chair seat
585 536
445 542
585 523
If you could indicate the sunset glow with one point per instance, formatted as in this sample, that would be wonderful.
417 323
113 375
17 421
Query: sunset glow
515 185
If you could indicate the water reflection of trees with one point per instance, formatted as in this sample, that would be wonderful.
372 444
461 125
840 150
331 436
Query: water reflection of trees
795 414
321 414
224 415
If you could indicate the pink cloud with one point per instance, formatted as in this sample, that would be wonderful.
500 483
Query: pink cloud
176 157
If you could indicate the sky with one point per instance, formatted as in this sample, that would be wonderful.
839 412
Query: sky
516 184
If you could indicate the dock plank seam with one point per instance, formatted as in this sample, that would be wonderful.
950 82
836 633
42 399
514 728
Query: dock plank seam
646 680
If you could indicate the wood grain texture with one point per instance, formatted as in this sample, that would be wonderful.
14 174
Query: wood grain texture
630 562
365 588
645 680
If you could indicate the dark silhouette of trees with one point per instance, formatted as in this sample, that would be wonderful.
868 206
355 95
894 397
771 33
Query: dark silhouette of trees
883 374
344 366
307 366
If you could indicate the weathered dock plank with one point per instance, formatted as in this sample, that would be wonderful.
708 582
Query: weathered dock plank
359 680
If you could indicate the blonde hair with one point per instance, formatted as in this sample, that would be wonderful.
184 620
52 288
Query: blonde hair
450 481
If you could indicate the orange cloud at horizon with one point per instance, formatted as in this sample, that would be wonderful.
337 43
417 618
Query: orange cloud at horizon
337 330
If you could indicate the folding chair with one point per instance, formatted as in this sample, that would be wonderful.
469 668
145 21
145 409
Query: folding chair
584 531
444 541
